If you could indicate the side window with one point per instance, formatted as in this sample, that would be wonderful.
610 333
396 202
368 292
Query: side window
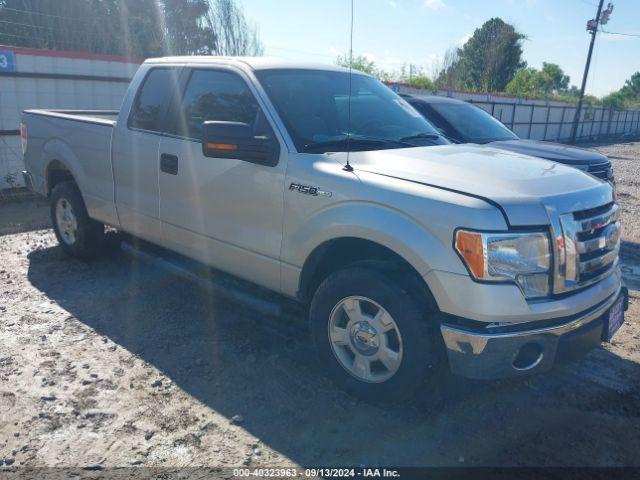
218 96
145 112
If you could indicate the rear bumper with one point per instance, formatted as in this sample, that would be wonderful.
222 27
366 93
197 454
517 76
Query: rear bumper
498 355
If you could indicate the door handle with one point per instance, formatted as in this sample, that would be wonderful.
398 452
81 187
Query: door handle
169 164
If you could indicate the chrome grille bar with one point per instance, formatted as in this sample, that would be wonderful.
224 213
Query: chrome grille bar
601 242
592 245
599 262
586 246
599 221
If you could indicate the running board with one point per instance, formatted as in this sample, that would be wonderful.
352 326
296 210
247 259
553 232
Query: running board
219 283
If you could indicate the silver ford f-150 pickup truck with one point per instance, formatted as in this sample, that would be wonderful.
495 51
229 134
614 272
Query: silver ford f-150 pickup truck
324 185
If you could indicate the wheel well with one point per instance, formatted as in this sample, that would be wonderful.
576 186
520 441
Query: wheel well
57 172
336 254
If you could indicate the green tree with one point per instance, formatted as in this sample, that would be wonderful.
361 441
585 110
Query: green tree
530 82
489 59
525 83
187 31
233 33
615 100
100 26
360 63
423 82
627 97
552 79
130 27
631 88
363 64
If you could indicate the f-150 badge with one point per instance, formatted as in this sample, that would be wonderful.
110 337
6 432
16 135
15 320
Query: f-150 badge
309 190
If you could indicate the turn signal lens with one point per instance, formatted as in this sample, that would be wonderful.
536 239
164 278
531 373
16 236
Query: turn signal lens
221 146
470 246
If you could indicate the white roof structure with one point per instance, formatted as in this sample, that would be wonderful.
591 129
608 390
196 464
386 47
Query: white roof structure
255 63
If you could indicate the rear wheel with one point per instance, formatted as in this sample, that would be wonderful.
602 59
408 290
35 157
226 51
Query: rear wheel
78 234
373 333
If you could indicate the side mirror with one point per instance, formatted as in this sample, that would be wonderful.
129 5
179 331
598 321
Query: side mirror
236 140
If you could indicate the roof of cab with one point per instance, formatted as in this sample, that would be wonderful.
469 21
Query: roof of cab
255 63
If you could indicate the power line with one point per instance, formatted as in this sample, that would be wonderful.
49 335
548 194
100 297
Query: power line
44 42
63 17
19 36
48 35
620 33
589 3
27 25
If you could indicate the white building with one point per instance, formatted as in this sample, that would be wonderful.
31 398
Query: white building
36 78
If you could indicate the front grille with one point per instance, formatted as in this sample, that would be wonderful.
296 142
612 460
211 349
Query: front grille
601 170
587 245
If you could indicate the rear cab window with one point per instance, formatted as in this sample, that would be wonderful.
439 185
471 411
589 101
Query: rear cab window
151 99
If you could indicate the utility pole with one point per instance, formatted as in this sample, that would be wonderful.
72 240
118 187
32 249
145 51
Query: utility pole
592 26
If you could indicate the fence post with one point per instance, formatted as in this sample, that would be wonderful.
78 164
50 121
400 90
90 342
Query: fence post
609 121
600 122
593 119
546 122
533 107
513 116
564 110
582 122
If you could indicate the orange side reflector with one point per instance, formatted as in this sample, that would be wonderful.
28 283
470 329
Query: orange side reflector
469 245
221 146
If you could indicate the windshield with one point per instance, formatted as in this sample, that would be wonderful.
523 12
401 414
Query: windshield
472 123
314 106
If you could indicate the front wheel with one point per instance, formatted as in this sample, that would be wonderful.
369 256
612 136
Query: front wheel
78 234
373 333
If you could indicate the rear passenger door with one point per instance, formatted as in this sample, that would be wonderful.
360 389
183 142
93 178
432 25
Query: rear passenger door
135 154
222 211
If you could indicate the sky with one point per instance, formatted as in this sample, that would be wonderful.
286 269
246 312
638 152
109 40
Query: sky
397 32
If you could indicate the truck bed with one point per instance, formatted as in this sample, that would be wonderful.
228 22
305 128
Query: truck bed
78 141
103 117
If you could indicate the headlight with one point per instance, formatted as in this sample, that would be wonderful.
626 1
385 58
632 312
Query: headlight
522 258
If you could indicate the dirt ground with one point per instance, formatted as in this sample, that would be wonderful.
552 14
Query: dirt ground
122 362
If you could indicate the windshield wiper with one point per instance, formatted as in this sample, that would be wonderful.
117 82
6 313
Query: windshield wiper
427 135
356 141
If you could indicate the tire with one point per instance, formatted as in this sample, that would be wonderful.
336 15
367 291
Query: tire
399 359
77 234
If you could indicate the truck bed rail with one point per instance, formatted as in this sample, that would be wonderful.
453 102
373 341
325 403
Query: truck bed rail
92 116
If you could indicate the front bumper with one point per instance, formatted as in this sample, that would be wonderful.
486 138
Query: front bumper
522 352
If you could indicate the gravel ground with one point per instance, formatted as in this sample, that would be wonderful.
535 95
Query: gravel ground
121 362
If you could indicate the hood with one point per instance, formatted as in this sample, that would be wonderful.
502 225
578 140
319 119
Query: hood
556 152
523 186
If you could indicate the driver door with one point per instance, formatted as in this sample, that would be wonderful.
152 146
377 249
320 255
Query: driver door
225 212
